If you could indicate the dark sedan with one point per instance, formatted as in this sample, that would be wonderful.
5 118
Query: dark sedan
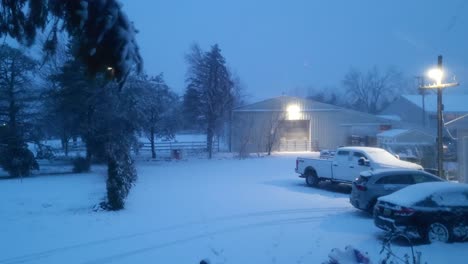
435 211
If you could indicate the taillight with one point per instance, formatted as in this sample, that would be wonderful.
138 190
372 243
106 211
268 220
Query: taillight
361 187
404 211
297 164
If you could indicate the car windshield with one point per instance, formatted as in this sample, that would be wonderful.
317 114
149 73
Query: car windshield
381 156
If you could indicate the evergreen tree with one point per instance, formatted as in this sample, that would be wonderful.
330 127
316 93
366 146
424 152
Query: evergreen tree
106 38
210 91
65 101
106 45
16 95
104 116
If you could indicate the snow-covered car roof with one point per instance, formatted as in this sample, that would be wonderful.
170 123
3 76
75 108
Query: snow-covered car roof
412 194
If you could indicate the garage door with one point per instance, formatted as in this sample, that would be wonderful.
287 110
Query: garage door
294 135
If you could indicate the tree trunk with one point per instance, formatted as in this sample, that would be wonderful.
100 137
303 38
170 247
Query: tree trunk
209 141
65 145
153 148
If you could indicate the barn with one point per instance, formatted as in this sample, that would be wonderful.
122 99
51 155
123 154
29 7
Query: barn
296 124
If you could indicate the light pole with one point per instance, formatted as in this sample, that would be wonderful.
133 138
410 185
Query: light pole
437 74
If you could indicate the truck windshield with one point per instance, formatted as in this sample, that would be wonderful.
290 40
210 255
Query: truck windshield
381 156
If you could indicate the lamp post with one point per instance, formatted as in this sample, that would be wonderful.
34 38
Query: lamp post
437 74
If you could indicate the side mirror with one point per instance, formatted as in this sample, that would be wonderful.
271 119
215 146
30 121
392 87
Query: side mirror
397 156
363 162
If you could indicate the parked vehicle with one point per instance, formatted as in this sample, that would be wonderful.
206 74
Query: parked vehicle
347 164
373 184
434 211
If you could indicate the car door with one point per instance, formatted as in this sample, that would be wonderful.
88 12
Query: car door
340 165
354 168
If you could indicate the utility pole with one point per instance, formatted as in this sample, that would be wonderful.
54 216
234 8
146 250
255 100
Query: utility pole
437 75
440 108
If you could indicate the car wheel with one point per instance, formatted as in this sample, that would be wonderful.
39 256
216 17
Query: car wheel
438 232
312 179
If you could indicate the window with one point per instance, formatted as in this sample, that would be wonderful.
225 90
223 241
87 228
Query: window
396 179
451 198
420 177
358 155
343 153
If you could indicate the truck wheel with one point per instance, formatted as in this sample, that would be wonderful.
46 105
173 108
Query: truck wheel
312 179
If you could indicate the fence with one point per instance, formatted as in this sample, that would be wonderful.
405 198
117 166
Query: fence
144 148
189 146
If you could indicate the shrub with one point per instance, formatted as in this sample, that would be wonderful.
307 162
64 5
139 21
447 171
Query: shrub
81 165
18 161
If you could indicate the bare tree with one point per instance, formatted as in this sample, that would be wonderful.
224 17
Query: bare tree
372 91
157 107
273 124
245 128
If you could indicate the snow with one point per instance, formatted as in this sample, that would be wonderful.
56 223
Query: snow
224 210
392 133
390 117
418 192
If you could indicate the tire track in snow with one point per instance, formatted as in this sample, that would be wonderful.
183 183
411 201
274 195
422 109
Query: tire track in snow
48 253
112 258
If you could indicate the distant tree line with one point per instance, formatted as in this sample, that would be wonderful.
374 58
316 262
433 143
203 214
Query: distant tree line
368 92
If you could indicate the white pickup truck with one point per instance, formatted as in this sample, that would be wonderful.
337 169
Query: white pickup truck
347 164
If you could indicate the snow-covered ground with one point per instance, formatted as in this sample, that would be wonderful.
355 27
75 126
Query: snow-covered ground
226 210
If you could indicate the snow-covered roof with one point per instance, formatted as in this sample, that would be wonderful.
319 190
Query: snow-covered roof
282 102
393 133
454 103
415 193
390 117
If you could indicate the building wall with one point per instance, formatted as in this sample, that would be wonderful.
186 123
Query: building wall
328 129
462 147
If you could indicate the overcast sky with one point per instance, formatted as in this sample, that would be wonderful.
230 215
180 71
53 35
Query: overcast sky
284 46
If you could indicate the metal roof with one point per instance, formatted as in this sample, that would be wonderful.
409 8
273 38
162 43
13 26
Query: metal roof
282 102
453 103
393 132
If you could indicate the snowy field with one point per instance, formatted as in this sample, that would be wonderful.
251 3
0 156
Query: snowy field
226 210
